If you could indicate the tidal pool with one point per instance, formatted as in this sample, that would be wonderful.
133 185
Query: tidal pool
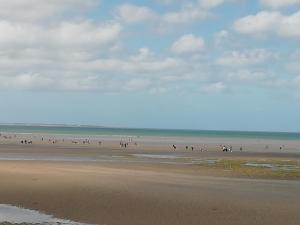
152 156
16 215
274 166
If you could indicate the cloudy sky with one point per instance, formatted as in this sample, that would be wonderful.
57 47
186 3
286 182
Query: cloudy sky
194 64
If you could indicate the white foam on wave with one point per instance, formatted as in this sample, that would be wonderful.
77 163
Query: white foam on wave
16 215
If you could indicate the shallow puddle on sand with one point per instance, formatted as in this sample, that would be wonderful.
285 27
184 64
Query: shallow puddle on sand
152 156
274 166
209 162
15 215
180 160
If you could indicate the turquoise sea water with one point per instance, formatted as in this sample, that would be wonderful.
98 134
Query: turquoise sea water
85 130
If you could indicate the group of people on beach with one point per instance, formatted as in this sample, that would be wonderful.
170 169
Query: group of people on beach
226 149
55 141
174 147
52 141
26 142
125 143
229 149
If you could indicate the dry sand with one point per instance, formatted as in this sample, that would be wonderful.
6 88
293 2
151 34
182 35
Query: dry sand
108 185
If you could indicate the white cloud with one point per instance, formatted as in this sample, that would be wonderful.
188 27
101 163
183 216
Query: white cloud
187 14
290 26
26 81
75 83
279 3
35 10
66 34
210 3
270 22
214 88
247 75
261 22
143 54
86 33
246 58
169 2
188 44
57 47
221 37
130 13
131 65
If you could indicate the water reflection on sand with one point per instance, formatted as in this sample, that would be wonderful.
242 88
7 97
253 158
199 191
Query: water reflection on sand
16 215
273 166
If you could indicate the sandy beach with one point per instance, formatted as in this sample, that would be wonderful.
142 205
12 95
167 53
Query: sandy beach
149 183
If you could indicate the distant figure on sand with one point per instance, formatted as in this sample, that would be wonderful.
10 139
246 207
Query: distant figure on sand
174 147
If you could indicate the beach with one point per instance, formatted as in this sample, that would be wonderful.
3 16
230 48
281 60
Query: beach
94 180
164 112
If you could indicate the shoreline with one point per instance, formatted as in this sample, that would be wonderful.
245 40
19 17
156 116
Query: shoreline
143 138
98 131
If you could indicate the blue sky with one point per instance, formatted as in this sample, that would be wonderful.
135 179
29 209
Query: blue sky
193 64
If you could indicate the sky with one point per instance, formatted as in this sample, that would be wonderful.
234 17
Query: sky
185 64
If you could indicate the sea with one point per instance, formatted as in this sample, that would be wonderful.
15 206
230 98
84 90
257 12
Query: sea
17 215
141 132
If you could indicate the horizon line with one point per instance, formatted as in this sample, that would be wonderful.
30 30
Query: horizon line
145 128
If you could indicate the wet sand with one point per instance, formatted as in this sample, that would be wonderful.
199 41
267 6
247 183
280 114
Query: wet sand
109 185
